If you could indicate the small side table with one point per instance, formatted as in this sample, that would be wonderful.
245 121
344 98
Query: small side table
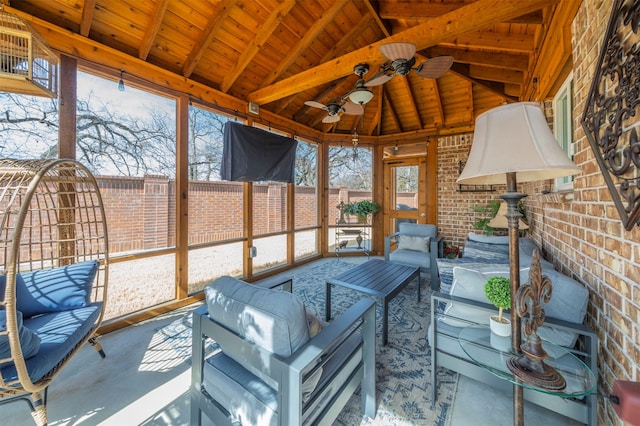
491 352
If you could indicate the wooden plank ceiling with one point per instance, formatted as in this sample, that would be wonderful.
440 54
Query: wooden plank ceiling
281 53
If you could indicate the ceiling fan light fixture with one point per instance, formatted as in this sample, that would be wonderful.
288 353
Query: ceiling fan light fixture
395 51
360 96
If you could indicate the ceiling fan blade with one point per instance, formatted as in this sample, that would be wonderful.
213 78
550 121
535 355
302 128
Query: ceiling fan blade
315 104
331 118
353 109
379 79
400 50
435 67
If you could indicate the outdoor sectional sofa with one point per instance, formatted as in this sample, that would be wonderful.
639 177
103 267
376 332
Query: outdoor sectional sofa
461 302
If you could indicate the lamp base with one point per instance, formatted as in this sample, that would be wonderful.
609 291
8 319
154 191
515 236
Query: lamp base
531 369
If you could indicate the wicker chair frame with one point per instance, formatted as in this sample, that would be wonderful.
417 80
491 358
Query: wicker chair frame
51 215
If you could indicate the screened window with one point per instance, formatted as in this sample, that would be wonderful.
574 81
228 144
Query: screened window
216 209
350 180
306 200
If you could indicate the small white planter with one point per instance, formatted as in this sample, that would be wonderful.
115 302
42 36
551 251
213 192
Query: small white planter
500 328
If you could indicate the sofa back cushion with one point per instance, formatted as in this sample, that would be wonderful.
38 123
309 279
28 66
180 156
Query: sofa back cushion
274 320
29 341
469 284
418 229
414 243
54 290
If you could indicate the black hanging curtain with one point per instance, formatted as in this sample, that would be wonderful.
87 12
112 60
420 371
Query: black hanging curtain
250 154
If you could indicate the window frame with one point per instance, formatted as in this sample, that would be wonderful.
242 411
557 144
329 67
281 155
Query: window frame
564 137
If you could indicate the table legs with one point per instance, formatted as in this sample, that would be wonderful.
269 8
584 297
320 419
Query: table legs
327 305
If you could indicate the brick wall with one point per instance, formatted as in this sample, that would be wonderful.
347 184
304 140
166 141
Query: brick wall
141 211
455 214
586 234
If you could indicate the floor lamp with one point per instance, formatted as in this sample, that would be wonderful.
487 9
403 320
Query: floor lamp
513 144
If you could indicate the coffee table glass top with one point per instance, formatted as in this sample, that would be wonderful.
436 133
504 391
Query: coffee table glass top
492 352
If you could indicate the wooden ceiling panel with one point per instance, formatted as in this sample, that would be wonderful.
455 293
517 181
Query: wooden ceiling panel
281 53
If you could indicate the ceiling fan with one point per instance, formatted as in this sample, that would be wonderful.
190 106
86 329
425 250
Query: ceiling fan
402 61
334 109
355 99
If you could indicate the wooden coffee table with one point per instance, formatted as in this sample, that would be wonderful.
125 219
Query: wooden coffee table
378 278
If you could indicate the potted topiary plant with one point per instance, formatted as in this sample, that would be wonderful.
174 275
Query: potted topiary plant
362 209
498 291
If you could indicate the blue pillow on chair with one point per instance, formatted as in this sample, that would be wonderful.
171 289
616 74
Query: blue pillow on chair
54 290
29 341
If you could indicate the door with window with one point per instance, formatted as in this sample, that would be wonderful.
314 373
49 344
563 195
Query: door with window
405 195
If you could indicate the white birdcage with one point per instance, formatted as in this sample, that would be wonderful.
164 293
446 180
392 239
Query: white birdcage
27 65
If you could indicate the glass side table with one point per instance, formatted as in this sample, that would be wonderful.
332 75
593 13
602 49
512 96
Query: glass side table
492 352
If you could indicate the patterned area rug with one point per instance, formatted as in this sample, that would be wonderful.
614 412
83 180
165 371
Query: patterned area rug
403 366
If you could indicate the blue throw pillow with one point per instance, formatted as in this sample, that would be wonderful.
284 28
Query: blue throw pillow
56 289
29 341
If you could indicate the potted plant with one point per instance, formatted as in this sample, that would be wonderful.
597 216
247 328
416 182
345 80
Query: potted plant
498 292
362 209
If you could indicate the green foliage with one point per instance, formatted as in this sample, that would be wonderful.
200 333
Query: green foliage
362 208
488 213
498 292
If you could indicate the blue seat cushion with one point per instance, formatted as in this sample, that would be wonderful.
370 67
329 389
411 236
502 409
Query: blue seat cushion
59 333
251 401
410 257
29 341
56 289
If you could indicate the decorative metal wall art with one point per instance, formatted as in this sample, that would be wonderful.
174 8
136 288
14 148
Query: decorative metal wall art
610 119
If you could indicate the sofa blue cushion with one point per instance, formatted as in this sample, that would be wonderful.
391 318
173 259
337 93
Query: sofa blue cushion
59 332
56 289
274 320
29 341
251 401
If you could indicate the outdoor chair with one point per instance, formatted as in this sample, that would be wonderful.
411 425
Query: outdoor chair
53 276
269 370
416 245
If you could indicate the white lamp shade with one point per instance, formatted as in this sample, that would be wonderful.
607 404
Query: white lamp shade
514 138
500 220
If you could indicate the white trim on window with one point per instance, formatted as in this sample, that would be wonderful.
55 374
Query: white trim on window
563 128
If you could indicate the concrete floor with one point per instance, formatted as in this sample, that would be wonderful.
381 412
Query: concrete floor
143 382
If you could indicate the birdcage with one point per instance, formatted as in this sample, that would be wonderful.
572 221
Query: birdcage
27 65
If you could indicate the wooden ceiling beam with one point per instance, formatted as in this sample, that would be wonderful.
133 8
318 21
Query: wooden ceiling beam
208 34
496 74
443 28
406 85
152 29
489 40
410 9
377 118
294 51
87 17
251 50
392 110
519 62
439 120
462 70
343 46
376 17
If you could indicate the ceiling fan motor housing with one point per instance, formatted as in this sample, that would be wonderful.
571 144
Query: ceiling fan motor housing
403 66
